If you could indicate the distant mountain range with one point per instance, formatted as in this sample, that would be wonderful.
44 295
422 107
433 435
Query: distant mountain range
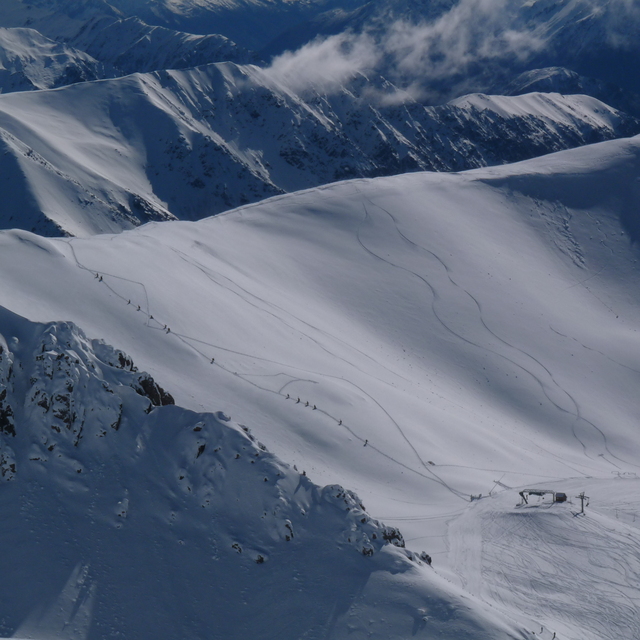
217 135
104 156
29 61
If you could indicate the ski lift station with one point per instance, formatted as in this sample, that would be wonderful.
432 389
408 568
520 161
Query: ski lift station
557 496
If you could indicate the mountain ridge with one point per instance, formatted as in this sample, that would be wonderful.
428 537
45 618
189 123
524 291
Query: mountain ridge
187 144
82 428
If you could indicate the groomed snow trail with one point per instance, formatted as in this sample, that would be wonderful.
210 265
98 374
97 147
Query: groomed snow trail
572 574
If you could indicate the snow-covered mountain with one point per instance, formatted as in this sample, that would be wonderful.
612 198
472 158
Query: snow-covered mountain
194 412
250 23
56 19
29 61
487 43
131 515
103 156
597 40
561 80
447 336
132 46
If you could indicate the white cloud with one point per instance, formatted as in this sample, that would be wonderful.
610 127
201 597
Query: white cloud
325 65
454 48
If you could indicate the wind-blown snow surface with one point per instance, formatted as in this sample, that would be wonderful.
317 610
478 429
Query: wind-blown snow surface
102 156
446 330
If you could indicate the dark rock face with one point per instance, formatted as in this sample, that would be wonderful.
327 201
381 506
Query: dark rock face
148 388
6 415
7 423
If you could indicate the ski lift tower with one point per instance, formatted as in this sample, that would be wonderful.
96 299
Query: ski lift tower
582 499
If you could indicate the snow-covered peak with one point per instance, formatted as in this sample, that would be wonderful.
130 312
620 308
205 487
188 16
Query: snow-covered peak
550 107
28 60
134 512
562 80
132 46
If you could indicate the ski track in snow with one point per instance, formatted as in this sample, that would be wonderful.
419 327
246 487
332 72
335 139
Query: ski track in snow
266 303
577 576
601 353
188 340
507 556
268 307
435 297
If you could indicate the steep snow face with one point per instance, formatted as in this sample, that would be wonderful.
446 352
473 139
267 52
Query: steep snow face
132 46
126 515
106 156
28 60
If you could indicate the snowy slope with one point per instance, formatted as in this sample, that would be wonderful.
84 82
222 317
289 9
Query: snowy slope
129 516
447 335
28 61
104 156
521 557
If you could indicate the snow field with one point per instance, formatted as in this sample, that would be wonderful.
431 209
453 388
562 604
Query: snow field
451 330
